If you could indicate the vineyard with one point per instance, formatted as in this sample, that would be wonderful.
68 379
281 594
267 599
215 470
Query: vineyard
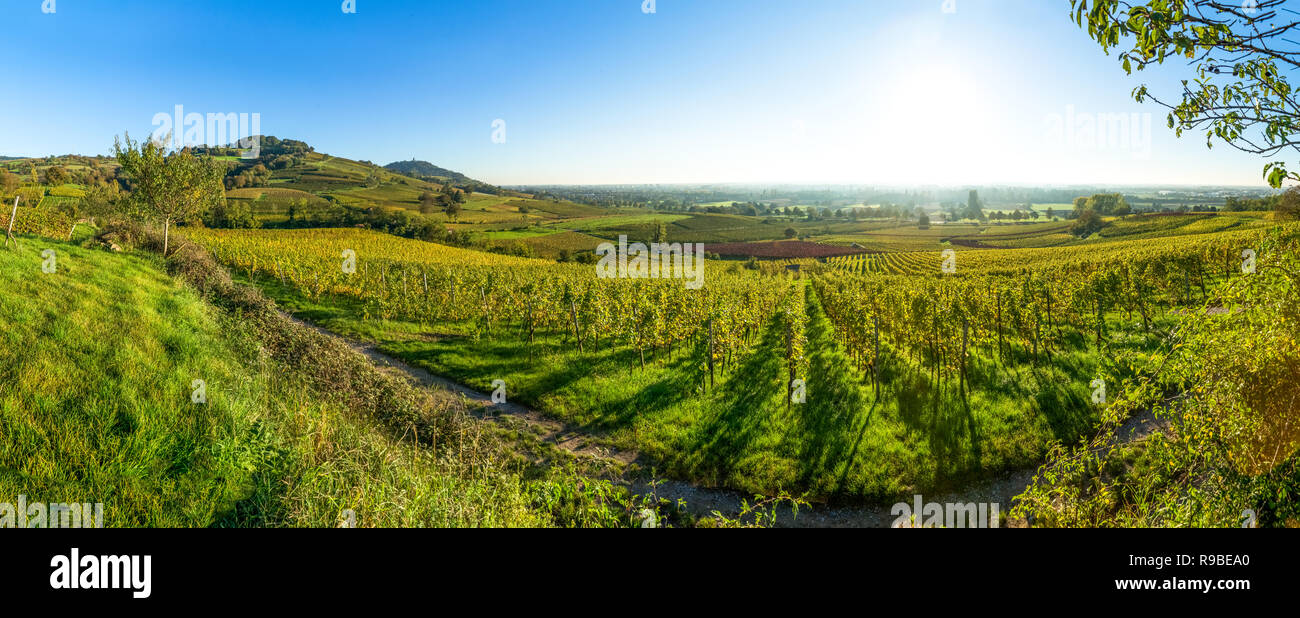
910 376
399 279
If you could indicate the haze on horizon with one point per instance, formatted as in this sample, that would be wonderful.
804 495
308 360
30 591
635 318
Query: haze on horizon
995 92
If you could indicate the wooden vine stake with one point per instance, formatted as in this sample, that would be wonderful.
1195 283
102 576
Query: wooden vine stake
9 235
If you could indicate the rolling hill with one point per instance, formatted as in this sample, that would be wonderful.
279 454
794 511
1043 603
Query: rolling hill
426 170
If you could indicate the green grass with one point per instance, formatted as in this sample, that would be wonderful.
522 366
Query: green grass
96 366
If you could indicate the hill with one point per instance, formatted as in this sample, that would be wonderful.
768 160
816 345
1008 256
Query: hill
426 170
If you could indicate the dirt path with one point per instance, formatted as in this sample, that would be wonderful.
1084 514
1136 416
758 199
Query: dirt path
704 501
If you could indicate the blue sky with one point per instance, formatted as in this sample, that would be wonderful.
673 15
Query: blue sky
597 91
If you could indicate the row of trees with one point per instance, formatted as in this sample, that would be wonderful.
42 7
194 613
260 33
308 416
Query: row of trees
56 175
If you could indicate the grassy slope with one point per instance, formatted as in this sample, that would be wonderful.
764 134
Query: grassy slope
96 366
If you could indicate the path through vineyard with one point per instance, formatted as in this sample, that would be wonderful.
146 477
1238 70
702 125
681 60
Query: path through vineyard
703 501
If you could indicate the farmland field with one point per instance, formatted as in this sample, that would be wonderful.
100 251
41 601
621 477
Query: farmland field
1032 325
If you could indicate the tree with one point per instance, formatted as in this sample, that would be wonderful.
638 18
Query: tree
235 214
1087 223
1080 205
453 210
428 203
101 200
1288 207
923 221
661 233
973 209
1105 204
56 175
9 182
174 187
791 232
1242 52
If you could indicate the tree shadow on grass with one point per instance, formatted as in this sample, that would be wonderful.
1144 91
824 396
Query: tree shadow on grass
678 381
945 419
734 426
1067 412
837 414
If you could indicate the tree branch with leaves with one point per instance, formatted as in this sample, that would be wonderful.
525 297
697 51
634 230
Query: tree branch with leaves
1240 52
170 187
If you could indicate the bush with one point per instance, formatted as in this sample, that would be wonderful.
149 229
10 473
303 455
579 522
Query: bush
1088 223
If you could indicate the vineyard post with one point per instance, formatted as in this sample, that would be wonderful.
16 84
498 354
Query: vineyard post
573 313
532 325
964 336
875 373
1200 277
1038 322
1038 316
1000 327
9 235
789 355
1101 322
1051 326
710 354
